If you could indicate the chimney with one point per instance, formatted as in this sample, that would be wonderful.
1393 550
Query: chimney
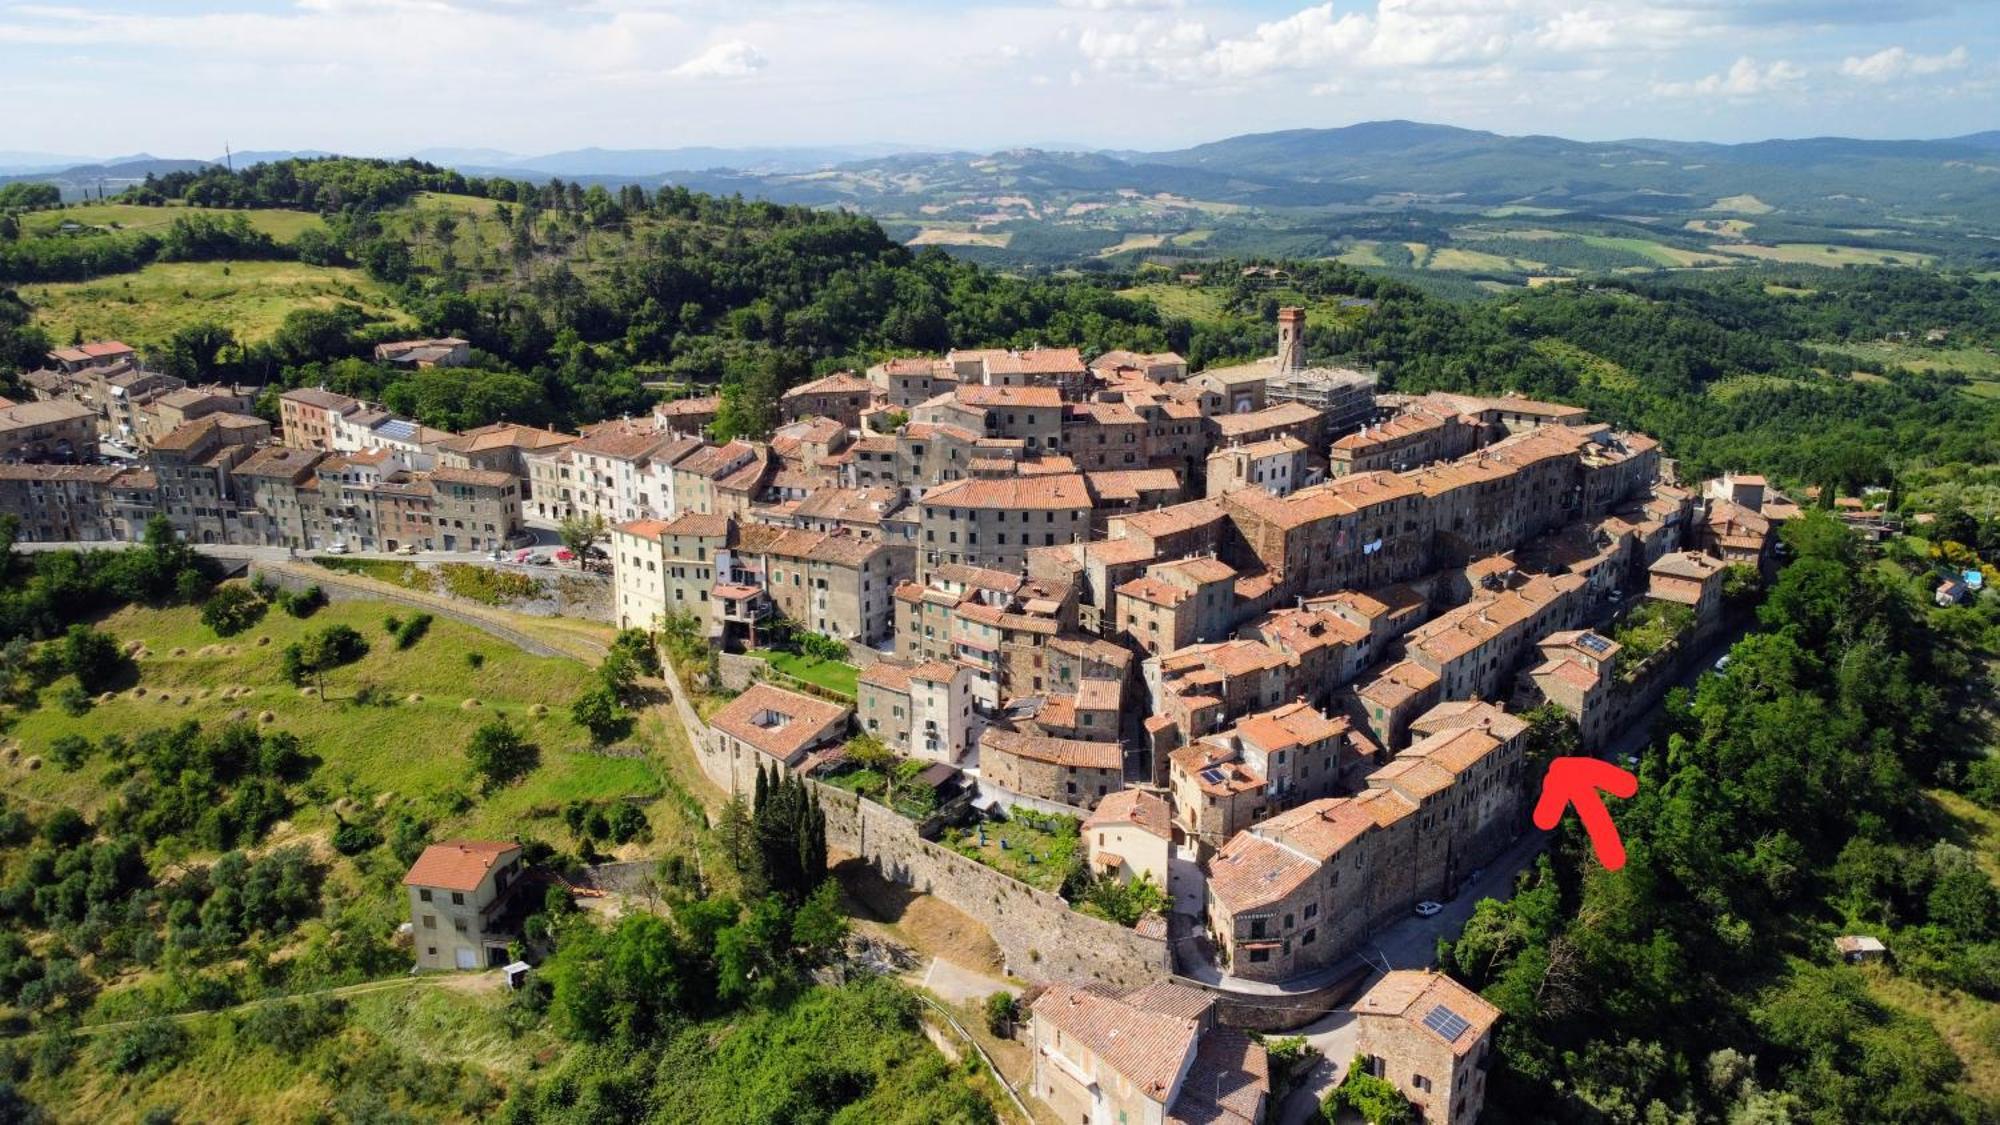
1291 338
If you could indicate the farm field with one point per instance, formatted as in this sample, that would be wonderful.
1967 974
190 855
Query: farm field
1976 363
411 747
1827 254
150 305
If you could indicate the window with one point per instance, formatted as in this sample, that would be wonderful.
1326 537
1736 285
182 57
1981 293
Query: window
458 924
430 922
458 898
1258 956
424 894
1421 1083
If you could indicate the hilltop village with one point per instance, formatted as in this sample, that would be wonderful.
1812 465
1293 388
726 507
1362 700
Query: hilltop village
1280 641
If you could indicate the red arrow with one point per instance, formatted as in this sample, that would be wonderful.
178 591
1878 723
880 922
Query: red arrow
1575 781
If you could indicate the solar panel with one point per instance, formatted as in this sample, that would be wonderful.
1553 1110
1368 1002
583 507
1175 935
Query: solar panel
1212 776
1447 1023
397 429
1594 643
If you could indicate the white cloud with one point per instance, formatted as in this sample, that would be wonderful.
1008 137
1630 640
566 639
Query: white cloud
1743 79
731 58
1891 63
1120 5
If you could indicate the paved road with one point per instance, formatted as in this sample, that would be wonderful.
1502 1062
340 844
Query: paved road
287 554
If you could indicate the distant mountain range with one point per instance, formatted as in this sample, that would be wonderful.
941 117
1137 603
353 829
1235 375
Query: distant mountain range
1373 165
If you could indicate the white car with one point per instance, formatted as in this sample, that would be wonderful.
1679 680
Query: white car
407 549
337 549
1428 909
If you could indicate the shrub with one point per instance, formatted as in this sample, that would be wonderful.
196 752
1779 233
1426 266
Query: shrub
597 712
305 603
1377 1100
74 701
499 754
475 660
154 1044
413 630
391 624
231 610
92 657
69 751
1001 1012
353 839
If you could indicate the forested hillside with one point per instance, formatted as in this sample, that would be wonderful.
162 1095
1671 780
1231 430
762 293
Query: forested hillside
1829 781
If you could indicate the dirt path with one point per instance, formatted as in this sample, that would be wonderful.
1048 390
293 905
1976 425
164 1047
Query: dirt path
547 636
456 982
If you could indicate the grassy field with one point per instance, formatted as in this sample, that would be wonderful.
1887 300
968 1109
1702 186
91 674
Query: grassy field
1656 252
1975 363
412 749
281 225
1827 254
945 236
231 1075
833 675
150 305
1179 300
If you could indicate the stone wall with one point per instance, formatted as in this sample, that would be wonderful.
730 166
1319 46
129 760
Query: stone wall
1041 938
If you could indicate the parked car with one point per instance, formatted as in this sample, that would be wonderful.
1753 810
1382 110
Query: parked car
337 549
407 549
1722 664
1428 909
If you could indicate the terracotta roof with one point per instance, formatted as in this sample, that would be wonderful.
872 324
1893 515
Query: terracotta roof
94 349
506 435
319 397
840 382
278 461
458 865
44 413
705 524
1688 564
1413 995
644 529
888 674
979 395
1051 493
1148 1048
1251 871
1269 418
1133 806
1055 751
780 723
481 478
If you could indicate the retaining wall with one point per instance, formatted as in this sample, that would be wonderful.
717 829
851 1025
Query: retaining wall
1041 938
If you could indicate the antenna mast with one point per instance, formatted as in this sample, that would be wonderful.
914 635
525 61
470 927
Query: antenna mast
228 160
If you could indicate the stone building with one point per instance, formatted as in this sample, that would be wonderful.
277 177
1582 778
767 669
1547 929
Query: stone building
1153 1055
270 488
55 430
1129 836
475 509
306 416
775 727
1065 770
1692 579
1277 465
1432 1038
921 711
1269 761
992 522
64 503
842 396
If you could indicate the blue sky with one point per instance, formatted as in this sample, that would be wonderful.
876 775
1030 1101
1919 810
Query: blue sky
179 77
